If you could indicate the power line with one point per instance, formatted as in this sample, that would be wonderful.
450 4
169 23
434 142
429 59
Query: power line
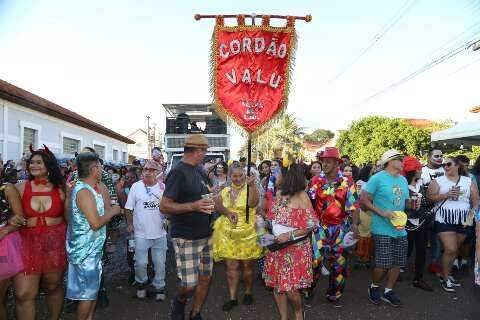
408 4
421 70
465 66
453 42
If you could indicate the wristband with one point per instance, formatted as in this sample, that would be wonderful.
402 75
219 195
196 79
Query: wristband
292 236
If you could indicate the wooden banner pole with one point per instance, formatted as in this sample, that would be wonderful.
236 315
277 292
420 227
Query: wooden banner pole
197 17
249 159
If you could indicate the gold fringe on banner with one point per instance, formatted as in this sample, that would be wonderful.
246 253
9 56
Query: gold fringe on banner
221 111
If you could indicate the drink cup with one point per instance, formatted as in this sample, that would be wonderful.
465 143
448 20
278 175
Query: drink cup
453 189
209 196
457 188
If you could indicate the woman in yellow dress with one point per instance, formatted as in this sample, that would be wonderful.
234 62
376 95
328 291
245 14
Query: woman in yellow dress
235 241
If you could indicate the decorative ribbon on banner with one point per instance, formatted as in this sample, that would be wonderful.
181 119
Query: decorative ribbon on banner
265 21
241 20
251 68
219 20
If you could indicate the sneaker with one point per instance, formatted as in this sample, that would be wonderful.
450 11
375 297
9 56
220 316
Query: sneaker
141 293
391 298
247 300
374 295
160 295
229 305
422 285
178 310
447 285
454 282
456 265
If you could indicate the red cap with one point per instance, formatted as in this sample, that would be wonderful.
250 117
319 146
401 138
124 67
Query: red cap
410 164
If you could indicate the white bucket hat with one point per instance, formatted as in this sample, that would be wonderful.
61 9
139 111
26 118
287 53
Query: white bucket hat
389 155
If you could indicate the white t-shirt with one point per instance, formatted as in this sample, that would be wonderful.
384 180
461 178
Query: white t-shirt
429 174
145 202
453 211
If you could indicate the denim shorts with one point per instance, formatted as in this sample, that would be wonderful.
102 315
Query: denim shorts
448 227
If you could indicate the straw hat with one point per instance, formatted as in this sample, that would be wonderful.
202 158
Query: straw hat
389 155
196 141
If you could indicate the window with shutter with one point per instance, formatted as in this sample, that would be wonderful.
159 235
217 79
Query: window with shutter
29 138
100 150
70 146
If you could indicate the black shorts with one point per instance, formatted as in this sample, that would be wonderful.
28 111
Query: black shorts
448 227
390 252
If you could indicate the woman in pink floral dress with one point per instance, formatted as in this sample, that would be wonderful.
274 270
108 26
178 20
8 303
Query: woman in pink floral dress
290 269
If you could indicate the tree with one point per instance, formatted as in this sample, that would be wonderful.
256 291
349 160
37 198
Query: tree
286 137
367 139
319 135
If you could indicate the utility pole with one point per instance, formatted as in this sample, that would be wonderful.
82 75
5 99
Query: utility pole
149 151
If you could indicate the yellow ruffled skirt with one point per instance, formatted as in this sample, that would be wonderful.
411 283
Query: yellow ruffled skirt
235 242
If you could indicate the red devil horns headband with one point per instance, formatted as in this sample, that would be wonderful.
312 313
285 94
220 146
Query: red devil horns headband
45 149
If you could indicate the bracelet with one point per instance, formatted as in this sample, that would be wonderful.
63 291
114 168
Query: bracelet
292 236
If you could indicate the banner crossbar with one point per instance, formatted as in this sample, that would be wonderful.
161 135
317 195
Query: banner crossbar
198 17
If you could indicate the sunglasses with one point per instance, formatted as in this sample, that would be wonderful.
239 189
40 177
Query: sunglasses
219 167
448 164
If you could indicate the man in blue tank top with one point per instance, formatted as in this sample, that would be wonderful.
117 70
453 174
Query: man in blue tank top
86 235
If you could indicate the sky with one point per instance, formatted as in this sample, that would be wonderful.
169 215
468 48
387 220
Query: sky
117 61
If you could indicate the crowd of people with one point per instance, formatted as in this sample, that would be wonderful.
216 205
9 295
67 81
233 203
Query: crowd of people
291 221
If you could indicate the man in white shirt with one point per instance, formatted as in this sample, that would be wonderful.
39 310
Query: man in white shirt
146 221
430 172
434 168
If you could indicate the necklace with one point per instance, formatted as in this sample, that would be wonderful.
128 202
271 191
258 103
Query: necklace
234 192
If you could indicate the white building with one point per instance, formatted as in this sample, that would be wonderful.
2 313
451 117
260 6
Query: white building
27 119
138 150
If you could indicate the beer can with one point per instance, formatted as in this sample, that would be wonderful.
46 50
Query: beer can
131 245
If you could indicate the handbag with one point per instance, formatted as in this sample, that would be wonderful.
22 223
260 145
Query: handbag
278 246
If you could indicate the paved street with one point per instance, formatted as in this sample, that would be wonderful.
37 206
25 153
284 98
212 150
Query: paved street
417 304
463 305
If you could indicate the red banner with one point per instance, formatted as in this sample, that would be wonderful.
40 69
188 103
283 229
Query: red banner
251 70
